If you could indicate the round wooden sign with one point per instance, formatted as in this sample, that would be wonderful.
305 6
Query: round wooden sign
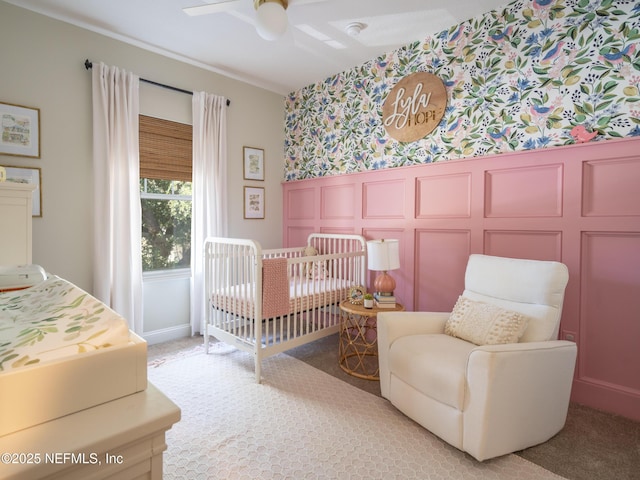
414 107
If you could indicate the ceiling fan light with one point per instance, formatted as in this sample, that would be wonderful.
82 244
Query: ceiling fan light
271 20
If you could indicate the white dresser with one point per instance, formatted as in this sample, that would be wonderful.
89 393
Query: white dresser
123 439
15 223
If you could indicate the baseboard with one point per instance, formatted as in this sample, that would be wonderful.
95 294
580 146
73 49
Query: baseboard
167 334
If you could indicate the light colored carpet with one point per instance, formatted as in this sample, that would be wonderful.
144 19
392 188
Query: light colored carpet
300 423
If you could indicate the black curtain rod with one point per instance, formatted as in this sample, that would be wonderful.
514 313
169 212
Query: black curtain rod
88 64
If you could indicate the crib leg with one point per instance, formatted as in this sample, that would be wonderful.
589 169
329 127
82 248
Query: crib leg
257 368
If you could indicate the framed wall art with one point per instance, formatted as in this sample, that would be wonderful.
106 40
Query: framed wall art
19 130
253 202
253 163
28 175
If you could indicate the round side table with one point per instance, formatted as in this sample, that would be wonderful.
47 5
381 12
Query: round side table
358 349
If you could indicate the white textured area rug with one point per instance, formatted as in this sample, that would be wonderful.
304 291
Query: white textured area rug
300 423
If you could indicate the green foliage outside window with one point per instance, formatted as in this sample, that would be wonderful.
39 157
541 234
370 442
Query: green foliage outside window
166 224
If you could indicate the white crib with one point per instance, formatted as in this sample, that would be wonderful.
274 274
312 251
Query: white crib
268 301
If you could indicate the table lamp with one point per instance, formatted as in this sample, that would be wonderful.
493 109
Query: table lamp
383 255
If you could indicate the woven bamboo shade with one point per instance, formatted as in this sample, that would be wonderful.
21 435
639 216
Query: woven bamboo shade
165 149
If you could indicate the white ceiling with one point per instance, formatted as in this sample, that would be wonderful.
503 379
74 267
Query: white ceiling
227 42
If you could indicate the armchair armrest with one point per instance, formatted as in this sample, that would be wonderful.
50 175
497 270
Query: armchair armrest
393 325
522 390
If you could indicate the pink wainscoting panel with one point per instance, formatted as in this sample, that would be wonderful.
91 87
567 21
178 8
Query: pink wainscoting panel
297 236
610 187
336 201
441 261
343 230
384 199
610 328
578 204
301 204
534 245
524 192
444 196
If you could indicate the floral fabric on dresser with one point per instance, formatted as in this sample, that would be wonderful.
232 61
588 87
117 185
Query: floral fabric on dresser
54 319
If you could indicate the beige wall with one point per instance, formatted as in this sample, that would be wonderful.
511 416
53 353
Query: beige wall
41 65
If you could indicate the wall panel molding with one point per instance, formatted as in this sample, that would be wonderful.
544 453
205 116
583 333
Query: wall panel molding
440 262
610 187
610 324
301 204
297 235
384 199
536 245
524 191
578 204
336 202
455 188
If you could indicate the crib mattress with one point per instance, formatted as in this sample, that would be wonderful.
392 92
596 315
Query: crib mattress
61 351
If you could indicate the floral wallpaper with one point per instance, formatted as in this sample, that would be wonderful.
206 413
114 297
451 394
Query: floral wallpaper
537 74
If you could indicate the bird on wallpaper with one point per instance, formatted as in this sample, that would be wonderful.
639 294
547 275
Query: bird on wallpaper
615 56
581 135
454 125
552 54
539 110
499 35
538 4
456 35
498 134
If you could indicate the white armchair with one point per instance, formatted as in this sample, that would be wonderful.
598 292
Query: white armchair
492 399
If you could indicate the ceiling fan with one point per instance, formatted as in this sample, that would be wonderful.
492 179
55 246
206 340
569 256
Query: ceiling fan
271 16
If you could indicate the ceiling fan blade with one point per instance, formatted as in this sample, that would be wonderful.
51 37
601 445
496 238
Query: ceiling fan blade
219 7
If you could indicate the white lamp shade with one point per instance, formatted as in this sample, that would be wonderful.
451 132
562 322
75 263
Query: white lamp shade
383 255
271 21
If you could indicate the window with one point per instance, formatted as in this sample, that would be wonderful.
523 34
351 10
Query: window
165 192
166 224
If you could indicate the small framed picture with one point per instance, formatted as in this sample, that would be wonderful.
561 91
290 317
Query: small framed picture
253 202
356 294
19 130
27 175
253 163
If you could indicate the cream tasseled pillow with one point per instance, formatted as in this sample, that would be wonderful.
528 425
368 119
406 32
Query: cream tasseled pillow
484 324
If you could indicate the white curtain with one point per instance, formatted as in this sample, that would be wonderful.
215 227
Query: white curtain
209 211
117 278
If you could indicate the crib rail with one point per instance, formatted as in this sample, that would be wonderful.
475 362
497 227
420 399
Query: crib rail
234 286
231 271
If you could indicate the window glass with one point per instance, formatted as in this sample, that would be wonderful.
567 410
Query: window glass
166 224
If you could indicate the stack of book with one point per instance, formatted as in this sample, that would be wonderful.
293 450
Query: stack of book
384 300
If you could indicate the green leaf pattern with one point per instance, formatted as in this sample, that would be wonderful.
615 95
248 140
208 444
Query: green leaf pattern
517 79
54 319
